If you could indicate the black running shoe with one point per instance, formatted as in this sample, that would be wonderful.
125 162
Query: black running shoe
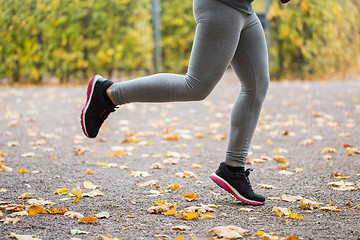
97 107
238 184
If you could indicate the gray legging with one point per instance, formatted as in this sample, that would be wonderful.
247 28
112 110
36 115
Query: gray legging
223 36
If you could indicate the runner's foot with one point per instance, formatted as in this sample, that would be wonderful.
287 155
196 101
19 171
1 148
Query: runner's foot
238 184
98 106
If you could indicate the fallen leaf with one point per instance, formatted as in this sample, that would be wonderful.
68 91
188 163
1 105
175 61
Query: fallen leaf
208 216
188 215
179 238
174 187
267 186
196 165
181 228
102 215
280 211
229 232
34 210
57 211
94 193
307 204
330 207
190 196
328 150
148 183
88 219
279 158
339 175
186 174
139 174
20 214
10 220
28 154
116 153
88 171
62 191
289 198
295 216
22 170
76 232
25 195
170 161
89 185
157 165
267 236
72 214
77 192
293 237
169 135
24 237
246 209
307 142
284 172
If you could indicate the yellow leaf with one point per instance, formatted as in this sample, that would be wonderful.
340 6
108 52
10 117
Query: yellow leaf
174 187
196 166
179 238
199 135
190 196
269 142
279 158
188 215
295 216
57 211
88 219
293 237
88 171
116 153
62 191
208 216
159 203
89 185
25 195
228 232
281 211
22 170
172 211
33 210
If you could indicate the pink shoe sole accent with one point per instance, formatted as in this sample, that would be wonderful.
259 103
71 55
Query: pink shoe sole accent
90 90
223 184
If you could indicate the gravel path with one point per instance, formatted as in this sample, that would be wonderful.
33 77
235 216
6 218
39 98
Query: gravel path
313 125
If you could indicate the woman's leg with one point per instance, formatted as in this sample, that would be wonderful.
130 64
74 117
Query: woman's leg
216 38
250 64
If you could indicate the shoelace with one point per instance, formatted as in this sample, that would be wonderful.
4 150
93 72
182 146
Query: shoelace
247 173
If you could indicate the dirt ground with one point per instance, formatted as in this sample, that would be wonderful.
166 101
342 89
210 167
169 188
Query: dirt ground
313 125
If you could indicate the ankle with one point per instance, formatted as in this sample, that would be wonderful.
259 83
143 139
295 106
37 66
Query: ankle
108 93
235 169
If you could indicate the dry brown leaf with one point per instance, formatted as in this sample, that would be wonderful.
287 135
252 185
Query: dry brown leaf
289 198
339 175
174 187
170 161
186 174
72 214
279 158
88 219
188 215
190 196
307 204
229 232
10 220
181 228
157 165
148 183
307 142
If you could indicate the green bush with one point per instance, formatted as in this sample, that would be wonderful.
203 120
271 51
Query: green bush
313 38
74 39
178 29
